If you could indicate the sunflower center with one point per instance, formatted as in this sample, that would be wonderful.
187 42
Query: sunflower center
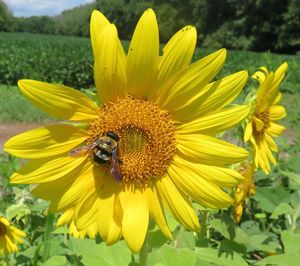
265 118
3 229
146 142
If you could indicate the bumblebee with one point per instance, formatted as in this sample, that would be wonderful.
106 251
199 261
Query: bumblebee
105 151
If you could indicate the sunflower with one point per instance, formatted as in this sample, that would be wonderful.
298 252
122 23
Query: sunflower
9 237
261 126
162 112
67 219
244 189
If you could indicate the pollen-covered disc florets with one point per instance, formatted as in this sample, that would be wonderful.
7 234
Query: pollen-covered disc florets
264 118
146 142
3 229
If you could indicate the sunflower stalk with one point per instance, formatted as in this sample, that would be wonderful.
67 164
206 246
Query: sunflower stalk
7 260
143 254
48 229
204 220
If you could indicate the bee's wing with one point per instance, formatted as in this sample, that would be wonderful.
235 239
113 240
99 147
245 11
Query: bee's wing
115 166
83 149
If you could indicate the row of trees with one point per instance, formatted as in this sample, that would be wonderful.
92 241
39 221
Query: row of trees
257 25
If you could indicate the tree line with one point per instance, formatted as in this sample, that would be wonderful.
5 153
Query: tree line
256 25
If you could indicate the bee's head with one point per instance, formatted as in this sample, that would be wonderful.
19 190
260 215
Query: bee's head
112 135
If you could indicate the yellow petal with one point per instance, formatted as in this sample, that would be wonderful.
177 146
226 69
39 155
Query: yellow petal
46 170
263 159
264 94
156 211
260 75
268 152
18 232
109 68
67 190
46 141
98 22
135 216
177 203
200 189
215 122
101 206
191 82
259 124
277 112
109 210
248 132
224 177
75 191
220 93
277 99
254 151
60 101
142 60
275 129
65 218
177 53
4 221
279 75
271 143
209 150
85 212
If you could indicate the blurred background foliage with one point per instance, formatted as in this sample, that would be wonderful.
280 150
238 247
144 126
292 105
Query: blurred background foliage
256 25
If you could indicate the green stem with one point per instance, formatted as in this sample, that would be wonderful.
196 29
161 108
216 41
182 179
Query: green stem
7 260
48 229
143 254
203 219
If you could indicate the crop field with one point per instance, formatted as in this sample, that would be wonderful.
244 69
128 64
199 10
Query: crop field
269 231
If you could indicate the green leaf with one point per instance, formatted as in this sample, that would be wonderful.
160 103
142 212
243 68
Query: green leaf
217 257
156 239
172 223
291 242
17 211
294 179
60 230
184 239
56 261
27 254
99 254
282 208
282 260
171 256
267 242
54 247
268 198
219 226
228 245
250 227
40 206
293 163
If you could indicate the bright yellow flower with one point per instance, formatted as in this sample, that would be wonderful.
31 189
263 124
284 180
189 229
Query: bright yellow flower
244 189
68 218
9 237
165 113
261 127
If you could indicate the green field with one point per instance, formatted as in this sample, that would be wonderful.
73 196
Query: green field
271 221
68 60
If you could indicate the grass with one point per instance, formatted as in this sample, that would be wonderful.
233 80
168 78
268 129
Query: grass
14 107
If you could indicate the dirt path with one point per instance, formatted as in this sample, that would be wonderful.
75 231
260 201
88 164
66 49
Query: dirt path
9 130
